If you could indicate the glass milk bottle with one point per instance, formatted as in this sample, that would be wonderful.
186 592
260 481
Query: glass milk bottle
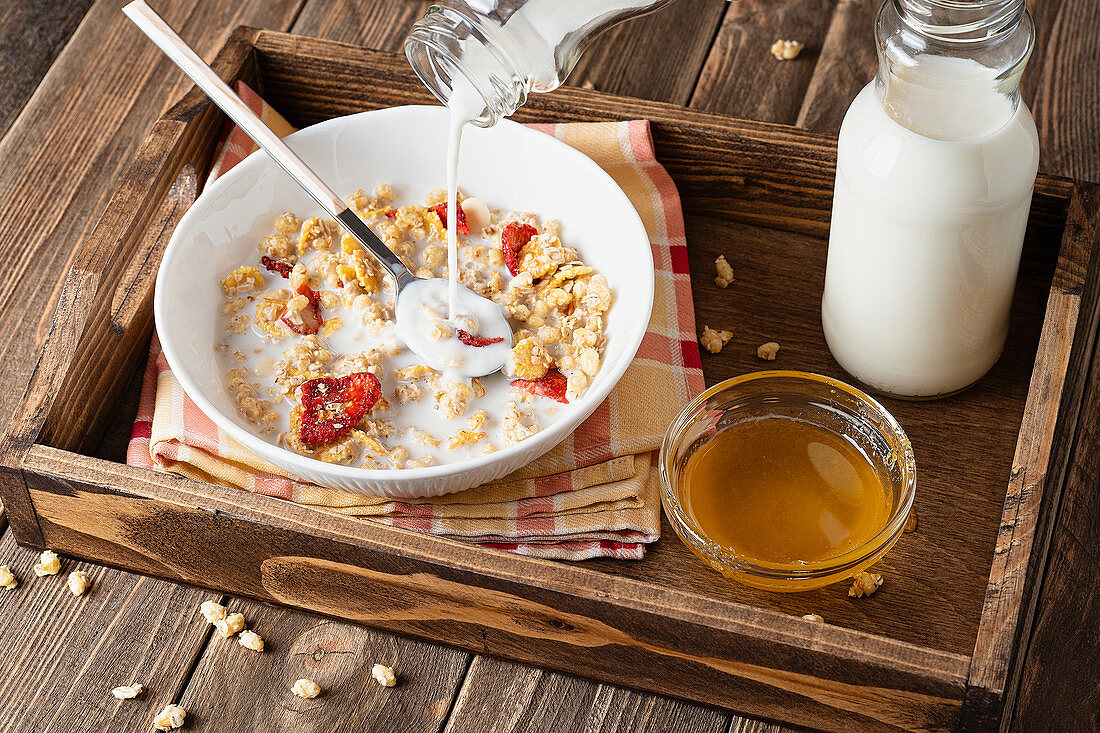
484 57
935 167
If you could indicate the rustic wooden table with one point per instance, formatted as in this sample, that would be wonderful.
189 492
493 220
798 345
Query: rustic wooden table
81 89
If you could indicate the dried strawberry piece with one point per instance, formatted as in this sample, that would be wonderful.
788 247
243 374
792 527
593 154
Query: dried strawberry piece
441 211
392 213
512 240
332 406
552 385
311 315
283 268
471 339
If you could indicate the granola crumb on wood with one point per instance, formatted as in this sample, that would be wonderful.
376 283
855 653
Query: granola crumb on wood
712 340
864 584
767 351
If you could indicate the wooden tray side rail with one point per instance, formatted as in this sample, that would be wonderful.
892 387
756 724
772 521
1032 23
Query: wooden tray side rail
565 616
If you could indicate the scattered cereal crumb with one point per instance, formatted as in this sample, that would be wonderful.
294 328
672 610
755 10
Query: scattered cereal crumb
725 272
864 584
786 50
911 522
588 84
48 564
128 692
767 351
230 625
170 718
712 340
7 580
384 675
306 688
251 640
212 611
78 582
813 617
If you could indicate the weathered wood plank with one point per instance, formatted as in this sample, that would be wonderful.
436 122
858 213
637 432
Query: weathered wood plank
743 79
32 33
62 654
846 63
1062 86
571 618
379 24
1058 676
64 155
498 695
234 688
656 57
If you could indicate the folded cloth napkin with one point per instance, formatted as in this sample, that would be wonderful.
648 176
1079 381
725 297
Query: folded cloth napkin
594 495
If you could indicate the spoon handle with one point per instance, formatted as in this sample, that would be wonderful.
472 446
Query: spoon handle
174 47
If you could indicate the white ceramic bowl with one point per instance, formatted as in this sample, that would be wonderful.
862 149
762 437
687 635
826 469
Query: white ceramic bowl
509 166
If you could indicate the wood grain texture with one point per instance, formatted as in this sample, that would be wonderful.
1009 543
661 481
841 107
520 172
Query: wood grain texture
743 79
66 152
846 63
239 689
63 654
32 32
378 24
756 660
1059 675
569 617
499 695
1062 85
657 57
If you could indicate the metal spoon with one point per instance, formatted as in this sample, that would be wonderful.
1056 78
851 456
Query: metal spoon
174 47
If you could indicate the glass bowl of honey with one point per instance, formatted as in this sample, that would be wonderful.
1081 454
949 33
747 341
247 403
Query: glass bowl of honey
787 481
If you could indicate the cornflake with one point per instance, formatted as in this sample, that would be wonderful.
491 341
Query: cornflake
7 580
384 675
170 718
212 611
251 640
128 692
230 625
48 564
306 688
767 351
78 582
786 50
725 272
864 584
712 340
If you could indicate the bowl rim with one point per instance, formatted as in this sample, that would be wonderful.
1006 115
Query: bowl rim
548 438
697 539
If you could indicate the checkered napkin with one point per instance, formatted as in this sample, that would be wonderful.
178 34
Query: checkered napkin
594 495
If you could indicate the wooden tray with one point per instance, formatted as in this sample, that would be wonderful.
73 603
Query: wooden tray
939 647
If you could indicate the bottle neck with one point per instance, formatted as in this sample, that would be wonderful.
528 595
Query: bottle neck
503 50
951 69
961 21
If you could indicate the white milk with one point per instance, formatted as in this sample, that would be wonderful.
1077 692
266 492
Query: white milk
933 189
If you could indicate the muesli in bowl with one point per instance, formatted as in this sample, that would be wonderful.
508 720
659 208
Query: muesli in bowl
515 168
312 358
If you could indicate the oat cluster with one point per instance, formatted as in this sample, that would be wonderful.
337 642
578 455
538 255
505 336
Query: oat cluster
767 351
864 584
556 303
786 50
384 675
712 340
48 564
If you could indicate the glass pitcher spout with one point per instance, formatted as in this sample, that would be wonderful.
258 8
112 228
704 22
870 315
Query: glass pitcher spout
506 49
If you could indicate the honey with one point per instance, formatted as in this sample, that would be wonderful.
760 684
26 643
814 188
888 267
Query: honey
781 490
